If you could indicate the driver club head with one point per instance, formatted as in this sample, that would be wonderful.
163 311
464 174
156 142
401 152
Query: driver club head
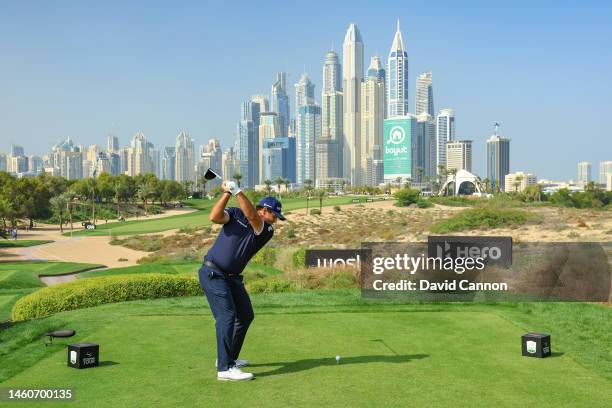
210 175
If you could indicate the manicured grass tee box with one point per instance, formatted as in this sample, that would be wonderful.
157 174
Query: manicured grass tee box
161 353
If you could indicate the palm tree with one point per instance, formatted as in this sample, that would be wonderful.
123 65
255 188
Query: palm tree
92 187
60 202
286 182
279 180
237 176
486 183
202 184
419 172
307 189
144 192
517 183
268 184
321 195
453 172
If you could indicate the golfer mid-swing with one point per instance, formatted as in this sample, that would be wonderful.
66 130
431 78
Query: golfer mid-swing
245 231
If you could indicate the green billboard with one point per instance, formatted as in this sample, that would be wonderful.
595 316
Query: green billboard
399 133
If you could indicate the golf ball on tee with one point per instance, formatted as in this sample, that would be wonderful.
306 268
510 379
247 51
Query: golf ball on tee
337 359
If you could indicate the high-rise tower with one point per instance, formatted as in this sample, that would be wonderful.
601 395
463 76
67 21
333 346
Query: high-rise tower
352 75
397 77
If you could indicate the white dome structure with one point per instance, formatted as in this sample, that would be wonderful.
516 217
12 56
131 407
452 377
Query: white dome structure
462 183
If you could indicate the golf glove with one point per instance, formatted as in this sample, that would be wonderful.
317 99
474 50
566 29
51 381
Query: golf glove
233 188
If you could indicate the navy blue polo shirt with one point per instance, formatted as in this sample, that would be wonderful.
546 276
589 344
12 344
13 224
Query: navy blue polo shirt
237 242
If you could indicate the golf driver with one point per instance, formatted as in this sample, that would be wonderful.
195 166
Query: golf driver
211 175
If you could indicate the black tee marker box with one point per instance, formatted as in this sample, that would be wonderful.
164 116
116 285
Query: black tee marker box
83 355
536 345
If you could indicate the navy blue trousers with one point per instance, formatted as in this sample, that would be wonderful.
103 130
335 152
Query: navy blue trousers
231 306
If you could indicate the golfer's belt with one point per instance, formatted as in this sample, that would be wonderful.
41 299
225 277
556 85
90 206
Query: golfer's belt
215 267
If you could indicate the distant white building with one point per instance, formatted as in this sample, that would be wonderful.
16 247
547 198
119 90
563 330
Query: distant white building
459 155
605 168
519 181
584 172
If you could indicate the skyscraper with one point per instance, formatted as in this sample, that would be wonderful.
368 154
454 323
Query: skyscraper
168 163
17 150
425 148
268 129
372 117
280 102
605 168
139 160
309 132
352 75
248 141
228 164
304 92
184 158
459 155
112 143
445 132
329 148
584 172
424 94
498 160
397 77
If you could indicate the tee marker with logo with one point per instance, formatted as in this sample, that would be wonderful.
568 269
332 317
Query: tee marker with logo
536 345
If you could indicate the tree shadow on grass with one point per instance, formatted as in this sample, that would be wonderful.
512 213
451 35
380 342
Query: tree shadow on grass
286 367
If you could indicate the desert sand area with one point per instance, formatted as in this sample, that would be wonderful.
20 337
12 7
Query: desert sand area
379 220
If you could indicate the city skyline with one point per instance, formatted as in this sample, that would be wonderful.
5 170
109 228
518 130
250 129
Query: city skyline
481 87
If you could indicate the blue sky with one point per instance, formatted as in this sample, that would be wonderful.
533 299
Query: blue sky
82 69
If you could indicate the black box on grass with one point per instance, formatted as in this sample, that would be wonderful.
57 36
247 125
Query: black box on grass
83 355
536 345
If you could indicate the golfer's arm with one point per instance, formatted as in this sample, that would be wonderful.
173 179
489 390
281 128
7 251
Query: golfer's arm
249 212
217 214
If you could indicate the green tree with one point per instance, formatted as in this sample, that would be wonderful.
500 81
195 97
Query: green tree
279 181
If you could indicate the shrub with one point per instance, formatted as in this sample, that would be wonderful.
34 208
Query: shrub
97 291
424 203
315 211
337 208
406 196
456 201
299 258
290 232
265 256
485 217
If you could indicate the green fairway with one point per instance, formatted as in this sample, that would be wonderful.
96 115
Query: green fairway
23 243
18 279
195 219
162 352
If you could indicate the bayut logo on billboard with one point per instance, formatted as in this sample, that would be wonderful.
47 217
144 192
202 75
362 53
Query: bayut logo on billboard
398 146
397 135
491 250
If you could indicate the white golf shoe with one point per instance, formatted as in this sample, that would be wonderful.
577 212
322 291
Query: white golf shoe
238 363
233 374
